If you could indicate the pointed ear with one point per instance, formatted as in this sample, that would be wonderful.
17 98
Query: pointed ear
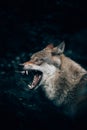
50 46
59 49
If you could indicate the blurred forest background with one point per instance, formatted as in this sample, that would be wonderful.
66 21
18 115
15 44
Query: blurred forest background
27 27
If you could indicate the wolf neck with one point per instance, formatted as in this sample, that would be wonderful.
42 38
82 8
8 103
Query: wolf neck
58 85
72 71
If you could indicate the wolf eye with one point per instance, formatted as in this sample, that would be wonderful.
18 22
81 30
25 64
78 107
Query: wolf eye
41 59
37 60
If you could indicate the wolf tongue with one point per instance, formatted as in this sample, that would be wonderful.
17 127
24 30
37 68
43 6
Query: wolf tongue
35 80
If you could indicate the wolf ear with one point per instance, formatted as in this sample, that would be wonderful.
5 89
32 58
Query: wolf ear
59 49
50 46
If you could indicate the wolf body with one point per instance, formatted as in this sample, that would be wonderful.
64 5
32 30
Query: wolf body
58 75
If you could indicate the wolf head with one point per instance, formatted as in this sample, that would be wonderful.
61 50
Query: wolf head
43 64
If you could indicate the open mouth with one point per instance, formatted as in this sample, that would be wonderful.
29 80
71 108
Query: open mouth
32 77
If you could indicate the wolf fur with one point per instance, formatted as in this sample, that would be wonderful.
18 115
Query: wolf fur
62 78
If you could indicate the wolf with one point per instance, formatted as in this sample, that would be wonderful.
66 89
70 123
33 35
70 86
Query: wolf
61 79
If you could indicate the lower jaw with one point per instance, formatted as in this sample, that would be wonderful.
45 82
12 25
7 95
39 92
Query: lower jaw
33 88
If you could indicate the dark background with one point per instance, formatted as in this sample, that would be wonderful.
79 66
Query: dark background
27 27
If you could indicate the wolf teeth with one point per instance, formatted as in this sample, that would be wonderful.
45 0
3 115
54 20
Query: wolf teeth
29 86
26 72
39 76
22 72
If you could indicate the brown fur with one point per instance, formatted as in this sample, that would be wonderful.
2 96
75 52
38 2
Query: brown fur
62 77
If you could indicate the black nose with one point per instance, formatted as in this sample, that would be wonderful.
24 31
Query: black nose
20 67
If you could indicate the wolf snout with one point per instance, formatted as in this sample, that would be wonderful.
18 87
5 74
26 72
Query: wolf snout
27 67
24 66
